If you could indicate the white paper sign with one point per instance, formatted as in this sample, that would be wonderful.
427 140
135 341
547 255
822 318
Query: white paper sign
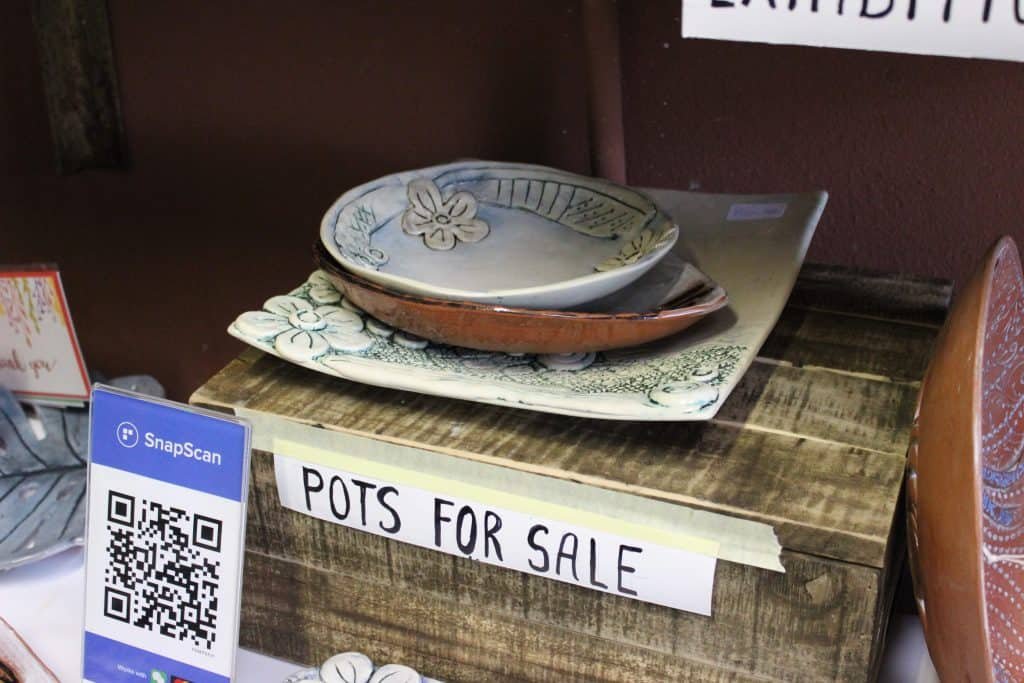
554 549
991 29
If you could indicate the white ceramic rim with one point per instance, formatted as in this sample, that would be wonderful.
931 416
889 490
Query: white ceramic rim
411 285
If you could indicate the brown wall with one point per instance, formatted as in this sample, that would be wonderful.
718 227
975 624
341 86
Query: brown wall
923 156
245 120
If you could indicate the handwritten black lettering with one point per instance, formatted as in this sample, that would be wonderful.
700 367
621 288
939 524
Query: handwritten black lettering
593 566
466 513
531 539
492 525
396 523
882 9
307 485
363 487
439 518
335 481
877 14
625 568
568 555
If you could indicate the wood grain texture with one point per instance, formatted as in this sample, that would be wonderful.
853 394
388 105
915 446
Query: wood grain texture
874 294
80 84
818 604
805 625
812 441
779 453
866 346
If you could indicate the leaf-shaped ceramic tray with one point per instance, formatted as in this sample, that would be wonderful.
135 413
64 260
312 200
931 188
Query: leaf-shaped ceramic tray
42 475
684 377
497 233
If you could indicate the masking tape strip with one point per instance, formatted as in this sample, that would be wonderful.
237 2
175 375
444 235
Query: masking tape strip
669 524
486 496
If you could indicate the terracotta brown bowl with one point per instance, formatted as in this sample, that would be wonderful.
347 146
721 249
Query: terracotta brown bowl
965 489
519 330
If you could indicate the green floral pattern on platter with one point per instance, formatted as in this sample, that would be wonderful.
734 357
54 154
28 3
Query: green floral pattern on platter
314 326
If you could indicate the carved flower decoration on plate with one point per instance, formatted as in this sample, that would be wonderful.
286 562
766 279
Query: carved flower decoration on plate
643 244
321 289
302 331
354 667
442 222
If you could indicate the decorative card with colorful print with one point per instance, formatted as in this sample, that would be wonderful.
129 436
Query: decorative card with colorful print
40 359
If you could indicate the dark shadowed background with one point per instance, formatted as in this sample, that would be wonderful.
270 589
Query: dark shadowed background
245 120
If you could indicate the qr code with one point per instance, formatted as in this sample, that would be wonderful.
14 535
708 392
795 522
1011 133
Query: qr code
163 569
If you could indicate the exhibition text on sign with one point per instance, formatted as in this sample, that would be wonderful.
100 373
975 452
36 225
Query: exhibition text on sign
964 28
882 9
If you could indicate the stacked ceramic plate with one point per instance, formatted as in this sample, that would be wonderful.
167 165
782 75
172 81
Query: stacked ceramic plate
512 257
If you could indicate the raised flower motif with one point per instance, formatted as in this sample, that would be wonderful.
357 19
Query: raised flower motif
442 222
321 289
354 667
301 331
634 250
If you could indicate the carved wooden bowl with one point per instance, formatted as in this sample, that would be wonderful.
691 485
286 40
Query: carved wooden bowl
965 483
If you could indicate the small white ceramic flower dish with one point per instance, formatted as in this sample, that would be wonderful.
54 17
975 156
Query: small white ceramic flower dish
497 233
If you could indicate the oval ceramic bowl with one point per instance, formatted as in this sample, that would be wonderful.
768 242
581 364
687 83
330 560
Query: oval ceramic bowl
690 295
497 233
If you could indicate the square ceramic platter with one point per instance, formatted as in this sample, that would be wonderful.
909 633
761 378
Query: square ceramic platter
752 245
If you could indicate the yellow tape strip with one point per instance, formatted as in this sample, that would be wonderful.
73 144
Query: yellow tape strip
487 496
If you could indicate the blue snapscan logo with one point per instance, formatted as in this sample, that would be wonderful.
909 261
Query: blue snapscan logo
127 434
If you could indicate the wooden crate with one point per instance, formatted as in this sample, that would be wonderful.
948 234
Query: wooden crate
812 442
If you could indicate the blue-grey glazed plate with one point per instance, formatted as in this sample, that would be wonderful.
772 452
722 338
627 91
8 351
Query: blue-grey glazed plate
43 453
498 233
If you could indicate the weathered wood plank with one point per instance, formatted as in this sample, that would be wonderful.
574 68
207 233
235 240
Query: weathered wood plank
883 349
820 494
799 626
871 293
826 406
824 608
80 84
888 580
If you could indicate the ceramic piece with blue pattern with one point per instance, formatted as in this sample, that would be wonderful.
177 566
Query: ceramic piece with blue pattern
43 453
498 233
355 667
